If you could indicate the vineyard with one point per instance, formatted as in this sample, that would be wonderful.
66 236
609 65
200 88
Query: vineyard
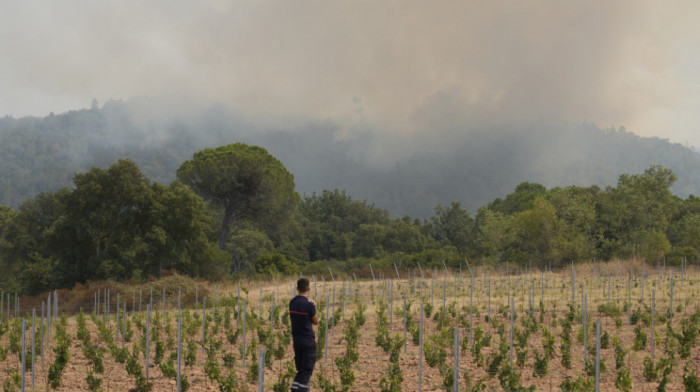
593 326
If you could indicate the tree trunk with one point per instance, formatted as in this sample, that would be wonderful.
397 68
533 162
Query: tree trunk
225 227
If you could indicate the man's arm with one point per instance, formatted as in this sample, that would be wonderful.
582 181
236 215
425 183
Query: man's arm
314 318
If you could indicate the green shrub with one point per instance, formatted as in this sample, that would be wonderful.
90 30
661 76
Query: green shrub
664 369
93 382
168 369
540 366
649 372
619 353
548 342
275 264
589 366
687 335
623 381
448 376
604 340
434 354
635 316
510 380
394 377
284 382
566 343
63 342
640 339
609 309
578 385
690 380
427 309
494 361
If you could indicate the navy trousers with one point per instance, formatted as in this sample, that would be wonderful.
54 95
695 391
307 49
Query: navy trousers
304 359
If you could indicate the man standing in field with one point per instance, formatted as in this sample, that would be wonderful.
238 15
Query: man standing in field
302 313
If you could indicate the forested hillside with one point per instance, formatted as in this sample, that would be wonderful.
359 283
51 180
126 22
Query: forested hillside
233 212
476 166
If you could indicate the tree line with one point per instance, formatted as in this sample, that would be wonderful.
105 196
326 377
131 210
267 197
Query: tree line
409 177
234 211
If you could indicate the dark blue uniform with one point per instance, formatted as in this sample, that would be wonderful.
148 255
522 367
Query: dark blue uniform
300 313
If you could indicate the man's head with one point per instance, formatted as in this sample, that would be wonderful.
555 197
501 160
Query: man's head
303 286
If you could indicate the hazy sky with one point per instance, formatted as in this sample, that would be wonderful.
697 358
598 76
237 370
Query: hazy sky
400 67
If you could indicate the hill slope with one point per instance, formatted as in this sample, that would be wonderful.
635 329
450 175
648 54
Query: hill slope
40 154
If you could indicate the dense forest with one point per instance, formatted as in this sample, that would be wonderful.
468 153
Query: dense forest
404 174
233 210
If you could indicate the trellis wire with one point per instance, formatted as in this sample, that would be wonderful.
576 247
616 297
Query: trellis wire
670 317
245 304
332 315
325 352
33 344
117 320
653 305
512 306
444 287
432 286
148 337
573 286
123 325
629 301
420 349
391 303
272 314
597 357
342 303
585 327
405 342
179 341
23 356
42 332
643 280
163 305
48 321
204 321
471 295
55 304
489 290
261 371
456 362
